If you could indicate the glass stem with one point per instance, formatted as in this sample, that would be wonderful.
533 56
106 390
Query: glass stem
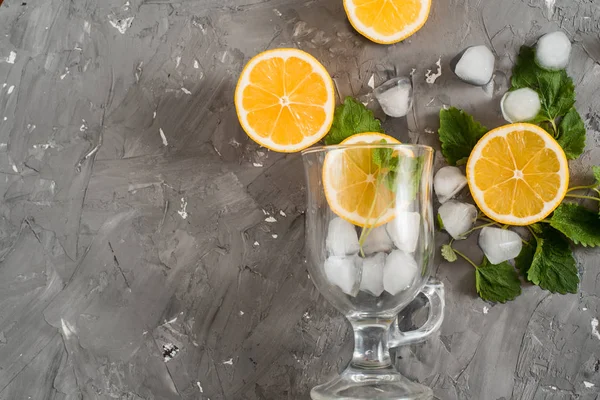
371 349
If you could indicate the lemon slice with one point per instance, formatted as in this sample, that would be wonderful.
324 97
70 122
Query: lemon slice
518 174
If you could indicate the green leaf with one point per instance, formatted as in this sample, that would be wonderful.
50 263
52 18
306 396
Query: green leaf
571 134
350 118
448 253
596 171
497 282
525 258
459 133
577 223
553 267
440 222
555 88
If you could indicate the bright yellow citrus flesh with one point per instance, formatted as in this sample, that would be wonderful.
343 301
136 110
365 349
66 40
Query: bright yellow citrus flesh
387 21
518 174
351 186
284 100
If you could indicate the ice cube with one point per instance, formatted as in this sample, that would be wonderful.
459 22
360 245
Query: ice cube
377 240
475 65
344 272
553 50
404 230
342 239
457 217
395 96
499 244
520 105
448 181
372 274
399 272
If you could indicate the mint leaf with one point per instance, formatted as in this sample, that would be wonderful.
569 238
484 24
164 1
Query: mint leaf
577 223
350 118
596 171
553 266
448 253
525 258
459 133
571 134
555 88
497 282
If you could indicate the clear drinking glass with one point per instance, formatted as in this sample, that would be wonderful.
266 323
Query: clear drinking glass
372 268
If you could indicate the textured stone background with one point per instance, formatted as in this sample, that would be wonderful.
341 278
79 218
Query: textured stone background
115 242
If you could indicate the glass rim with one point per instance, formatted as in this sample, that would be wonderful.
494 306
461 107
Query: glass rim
320 149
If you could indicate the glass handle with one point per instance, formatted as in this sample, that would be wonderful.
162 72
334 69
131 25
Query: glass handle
434 291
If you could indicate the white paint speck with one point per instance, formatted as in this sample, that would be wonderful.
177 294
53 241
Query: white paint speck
3 145
67 329
431 77
228 362
177 61
282 213
270 219
371 82
412 71
196 64
550 6
256 243
183 211
277 12
83 126
171 321
5 118
126 6
553 387
257 165
87 27
199 387
120 24
14 167
306 316
588 384
10 89
3 85
11 58
428 130
595 328
274 236
264 211
485 310
163 137
584 309
241 312
184 90
154 115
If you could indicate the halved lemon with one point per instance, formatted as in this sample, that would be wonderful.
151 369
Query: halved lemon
351 186
284 100
387 21
518 174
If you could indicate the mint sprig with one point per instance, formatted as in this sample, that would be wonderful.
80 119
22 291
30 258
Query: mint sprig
351 118
459 133
557 97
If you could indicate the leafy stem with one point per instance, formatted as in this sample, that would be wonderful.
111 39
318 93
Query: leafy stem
578 196
466 258
586 187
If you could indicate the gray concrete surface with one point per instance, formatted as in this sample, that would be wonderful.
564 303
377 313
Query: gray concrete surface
117 245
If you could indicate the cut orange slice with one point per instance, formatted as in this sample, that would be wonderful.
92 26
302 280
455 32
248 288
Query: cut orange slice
387 21
518 174
284 100
351 186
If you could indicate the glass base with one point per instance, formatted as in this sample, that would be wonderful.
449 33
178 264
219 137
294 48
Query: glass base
368 384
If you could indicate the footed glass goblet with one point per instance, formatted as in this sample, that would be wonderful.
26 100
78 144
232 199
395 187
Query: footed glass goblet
369 243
